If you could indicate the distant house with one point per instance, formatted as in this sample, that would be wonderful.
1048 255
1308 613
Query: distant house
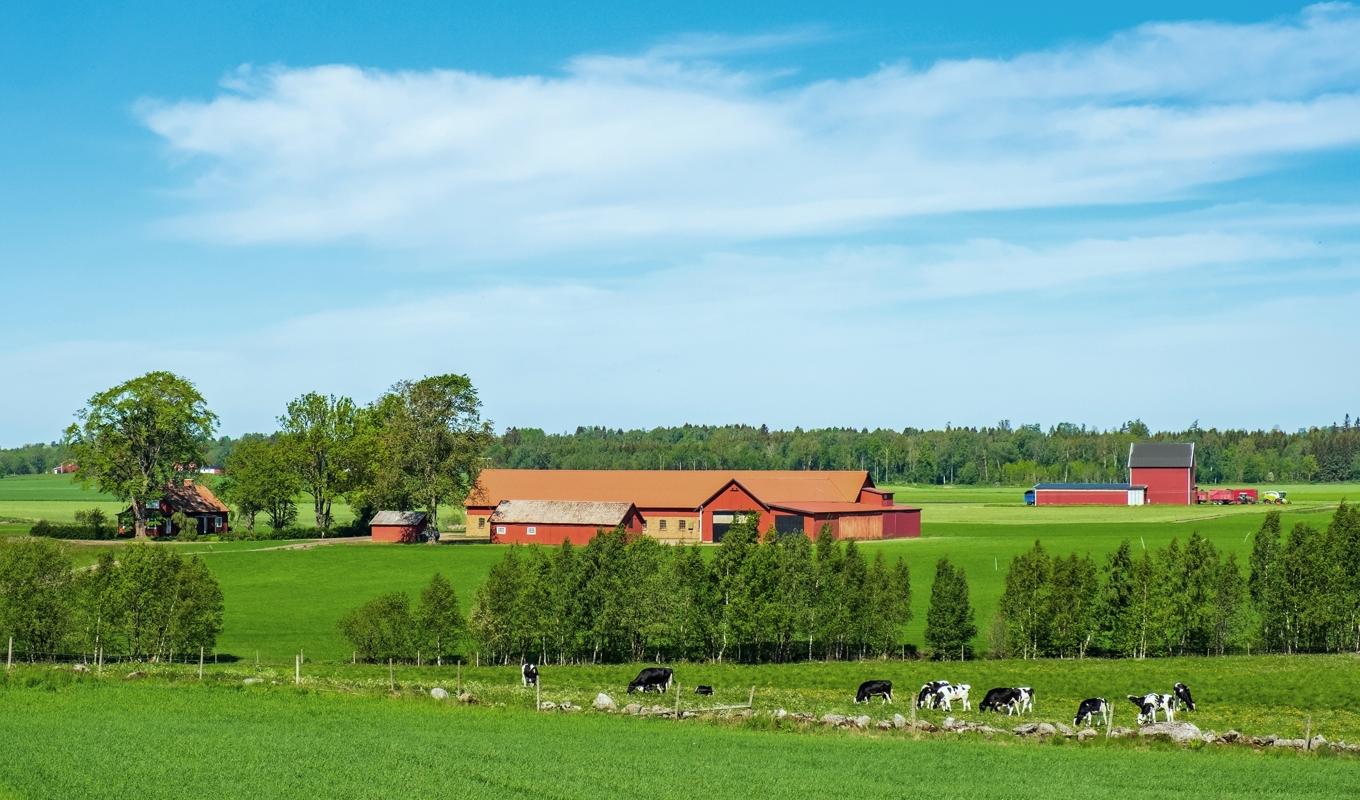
211 471
557 521
400 526
194 500
65 469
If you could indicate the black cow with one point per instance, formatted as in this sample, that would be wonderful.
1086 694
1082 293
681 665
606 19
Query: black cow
1183 698
1001 698
928 696
1091 709
652 679
870 689
529 674
704 690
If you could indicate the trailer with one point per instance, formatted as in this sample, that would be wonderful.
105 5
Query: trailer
1227 497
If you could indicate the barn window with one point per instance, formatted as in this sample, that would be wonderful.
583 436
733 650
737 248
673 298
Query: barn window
682 524
500 530
661 525
481 522
531 531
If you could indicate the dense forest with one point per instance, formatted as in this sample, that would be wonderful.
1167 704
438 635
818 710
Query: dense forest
1003 454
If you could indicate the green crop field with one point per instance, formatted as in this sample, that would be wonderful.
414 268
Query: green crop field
89 738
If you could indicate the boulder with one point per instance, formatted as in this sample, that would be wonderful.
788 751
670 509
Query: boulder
1317 741
1297 744
885 725
569 706
439 693
633 708
468 698
927 727
1065 730
861 721
81 668
1086 734
252 681
1035 729
1263 741
1231 736
135 675
951 724
547 705
1181 732
899 721
833 719
986 730
1120 732
780 713
604 702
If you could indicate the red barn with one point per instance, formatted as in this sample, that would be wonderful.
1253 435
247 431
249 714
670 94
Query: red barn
1167 469
1089 494
398 526
557 521
690 506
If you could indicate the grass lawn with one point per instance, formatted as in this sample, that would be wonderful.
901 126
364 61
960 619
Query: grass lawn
156 740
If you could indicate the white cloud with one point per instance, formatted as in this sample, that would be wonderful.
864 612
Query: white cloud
663 149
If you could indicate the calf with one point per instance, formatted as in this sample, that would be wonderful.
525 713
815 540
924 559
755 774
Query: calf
1001 698
1026 699
946 696
652 679
1149 704
1183 698
871 689
529 674
703 690
926 697
1090 710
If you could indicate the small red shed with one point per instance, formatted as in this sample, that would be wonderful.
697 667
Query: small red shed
399 526
555 521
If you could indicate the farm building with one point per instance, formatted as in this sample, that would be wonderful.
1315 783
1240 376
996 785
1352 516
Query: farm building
194 500
398 526
1089 494
688 506
1167 469
556 521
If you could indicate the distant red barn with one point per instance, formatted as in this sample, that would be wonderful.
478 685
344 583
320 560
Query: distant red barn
1167 469
556 521
399 526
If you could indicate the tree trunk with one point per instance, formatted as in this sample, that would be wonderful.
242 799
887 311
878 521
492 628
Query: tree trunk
139 518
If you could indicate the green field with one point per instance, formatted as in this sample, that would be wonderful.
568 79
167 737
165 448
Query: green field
87 738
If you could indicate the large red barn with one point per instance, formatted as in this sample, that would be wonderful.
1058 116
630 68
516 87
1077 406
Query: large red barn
1167 469
690 506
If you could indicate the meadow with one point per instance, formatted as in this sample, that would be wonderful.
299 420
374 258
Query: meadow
157 739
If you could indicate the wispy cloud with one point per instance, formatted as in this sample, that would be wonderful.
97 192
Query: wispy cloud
672 147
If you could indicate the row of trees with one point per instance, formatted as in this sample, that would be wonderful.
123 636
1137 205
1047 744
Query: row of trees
1002 454
420 445
618 598
149 603
388 627
1305 587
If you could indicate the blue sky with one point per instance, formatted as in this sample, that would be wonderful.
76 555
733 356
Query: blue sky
791 214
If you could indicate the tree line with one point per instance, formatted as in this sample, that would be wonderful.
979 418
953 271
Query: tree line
1001 454
147 603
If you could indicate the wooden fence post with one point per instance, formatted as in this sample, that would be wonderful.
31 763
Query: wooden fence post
297 669
391 674
460 676
751 701
677 699
99 660
538 695
200 662
1308 733
913 719
9 657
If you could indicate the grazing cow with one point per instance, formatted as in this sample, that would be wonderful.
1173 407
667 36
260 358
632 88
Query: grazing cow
529 674
1183 698
1149 704
1001 698
870 689
1092 709
926 697
946 696
1026 699
652 679
703 690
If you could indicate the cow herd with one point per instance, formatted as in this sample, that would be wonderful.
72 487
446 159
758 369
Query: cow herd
944 694
1020 699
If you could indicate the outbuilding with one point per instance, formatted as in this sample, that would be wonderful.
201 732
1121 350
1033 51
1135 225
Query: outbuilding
399 526
556 521
1167 469
1089 494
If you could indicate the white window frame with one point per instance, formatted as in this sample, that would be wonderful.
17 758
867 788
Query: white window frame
500 530
531 531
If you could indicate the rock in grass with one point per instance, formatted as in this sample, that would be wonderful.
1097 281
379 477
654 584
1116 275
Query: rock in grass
899 721
1297 744
135 675
885 725
780 713
439 693
1065 730
862 721
252 681
547 705
81 668
1231 736
467 698
604 702
633 708
1181 732
833 719
1087 733
1035 729
1119 733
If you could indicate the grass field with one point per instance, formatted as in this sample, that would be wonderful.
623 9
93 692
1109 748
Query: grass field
85 738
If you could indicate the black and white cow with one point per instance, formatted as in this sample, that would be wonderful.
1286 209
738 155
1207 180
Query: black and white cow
1092 709
947 695
528 673
871 689
1001 698
926 698
703 690
1149 704
1183 698
652 679
1026 699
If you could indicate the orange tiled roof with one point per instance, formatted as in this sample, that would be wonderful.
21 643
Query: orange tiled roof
192 498
664 488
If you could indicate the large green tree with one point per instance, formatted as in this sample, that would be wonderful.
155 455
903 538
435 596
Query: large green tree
131 440
35 607
949 618
431 442
328 444
262 476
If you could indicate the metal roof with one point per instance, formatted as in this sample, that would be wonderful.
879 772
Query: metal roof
404 518
1162 454
562 512
1091 487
